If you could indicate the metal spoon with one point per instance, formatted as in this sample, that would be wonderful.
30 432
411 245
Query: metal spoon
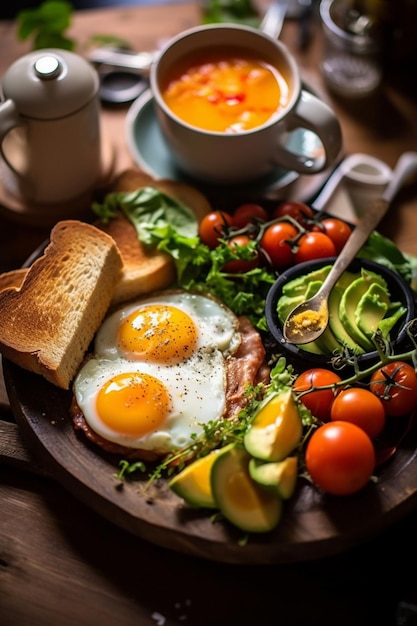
308 320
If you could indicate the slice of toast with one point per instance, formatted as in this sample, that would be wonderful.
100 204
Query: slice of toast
47 324
144 270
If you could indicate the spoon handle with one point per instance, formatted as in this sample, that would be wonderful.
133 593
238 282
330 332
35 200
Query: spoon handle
406 166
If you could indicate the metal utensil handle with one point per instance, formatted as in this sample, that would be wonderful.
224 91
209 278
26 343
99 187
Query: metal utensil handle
140 62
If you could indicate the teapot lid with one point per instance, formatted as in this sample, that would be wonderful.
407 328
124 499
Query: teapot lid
50 83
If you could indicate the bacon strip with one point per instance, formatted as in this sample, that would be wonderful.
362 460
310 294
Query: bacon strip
246 366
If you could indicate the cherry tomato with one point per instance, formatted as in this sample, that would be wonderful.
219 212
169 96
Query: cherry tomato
396 385
274 243
338 231
246 213
212 227
319 402
297 210
361 407
340 458
238 266
314 245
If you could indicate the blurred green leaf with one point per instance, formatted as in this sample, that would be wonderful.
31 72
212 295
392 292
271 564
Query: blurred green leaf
47 24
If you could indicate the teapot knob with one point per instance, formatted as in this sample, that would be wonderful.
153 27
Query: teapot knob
47 67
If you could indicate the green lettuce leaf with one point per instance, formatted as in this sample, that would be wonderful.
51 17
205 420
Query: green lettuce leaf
384 251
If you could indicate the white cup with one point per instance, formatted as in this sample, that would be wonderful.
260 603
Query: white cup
232 158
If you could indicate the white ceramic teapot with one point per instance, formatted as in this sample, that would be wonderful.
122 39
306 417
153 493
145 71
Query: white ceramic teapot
50 127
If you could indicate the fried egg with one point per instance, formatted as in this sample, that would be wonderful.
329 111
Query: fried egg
158 371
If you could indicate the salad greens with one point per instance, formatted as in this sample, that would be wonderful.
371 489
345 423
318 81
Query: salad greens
169 225
172 227
384 251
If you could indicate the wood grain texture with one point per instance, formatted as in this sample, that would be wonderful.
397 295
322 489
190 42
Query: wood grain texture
313 525
60 563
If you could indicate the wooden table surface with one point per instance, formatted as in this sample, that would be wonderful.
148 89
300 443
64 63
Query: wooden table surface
61 564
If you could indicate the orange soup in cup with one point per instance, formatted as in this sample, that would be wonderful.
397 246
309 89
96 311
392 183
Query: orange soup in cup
226 91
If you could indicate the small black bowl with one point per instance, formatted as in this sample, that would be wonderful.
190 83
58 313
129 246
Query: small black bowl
399 291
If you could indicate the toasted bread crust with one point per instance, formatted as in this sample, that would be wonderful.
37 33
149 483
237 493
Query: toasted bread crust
48 324
13 279
144 269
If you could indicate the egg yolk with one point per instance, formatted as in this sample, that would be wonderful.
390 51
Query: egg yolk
158 332
133 404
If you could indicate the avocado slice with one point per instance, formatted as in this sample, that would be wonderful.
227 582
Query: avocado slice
280 476
240 499
193 482
298 286
329 341
335 323
276 428
389 321
371 309
314 347
349 303
287 303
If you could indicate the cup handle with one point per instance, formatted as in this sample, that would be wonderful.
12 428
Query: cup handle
312 114
9 118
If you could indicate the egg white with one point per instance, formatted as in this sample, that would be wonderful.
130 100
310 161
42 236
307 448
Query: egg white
217 325
196 386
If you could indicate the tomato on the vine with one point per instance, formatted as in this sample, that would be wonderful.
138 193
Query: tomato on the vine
299 211
213 226
338 231
320 401
314 245
340 458
396 385
238 266
246 213
361 407
274 243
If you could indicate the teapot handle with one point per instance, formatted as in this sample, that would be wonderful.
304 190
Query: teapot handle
9 118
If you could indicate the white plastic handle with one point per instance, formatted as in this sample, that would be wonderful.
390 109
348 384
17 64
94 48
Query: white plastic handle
358 167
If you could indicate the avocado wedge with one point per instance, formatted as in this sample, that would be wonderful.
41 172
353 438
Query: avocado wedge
240 499
276 428
335 323
193 482
280 476
372 308
349 305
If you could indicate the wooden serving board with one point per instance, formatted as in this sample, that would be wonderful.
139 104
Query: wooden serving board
313 525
